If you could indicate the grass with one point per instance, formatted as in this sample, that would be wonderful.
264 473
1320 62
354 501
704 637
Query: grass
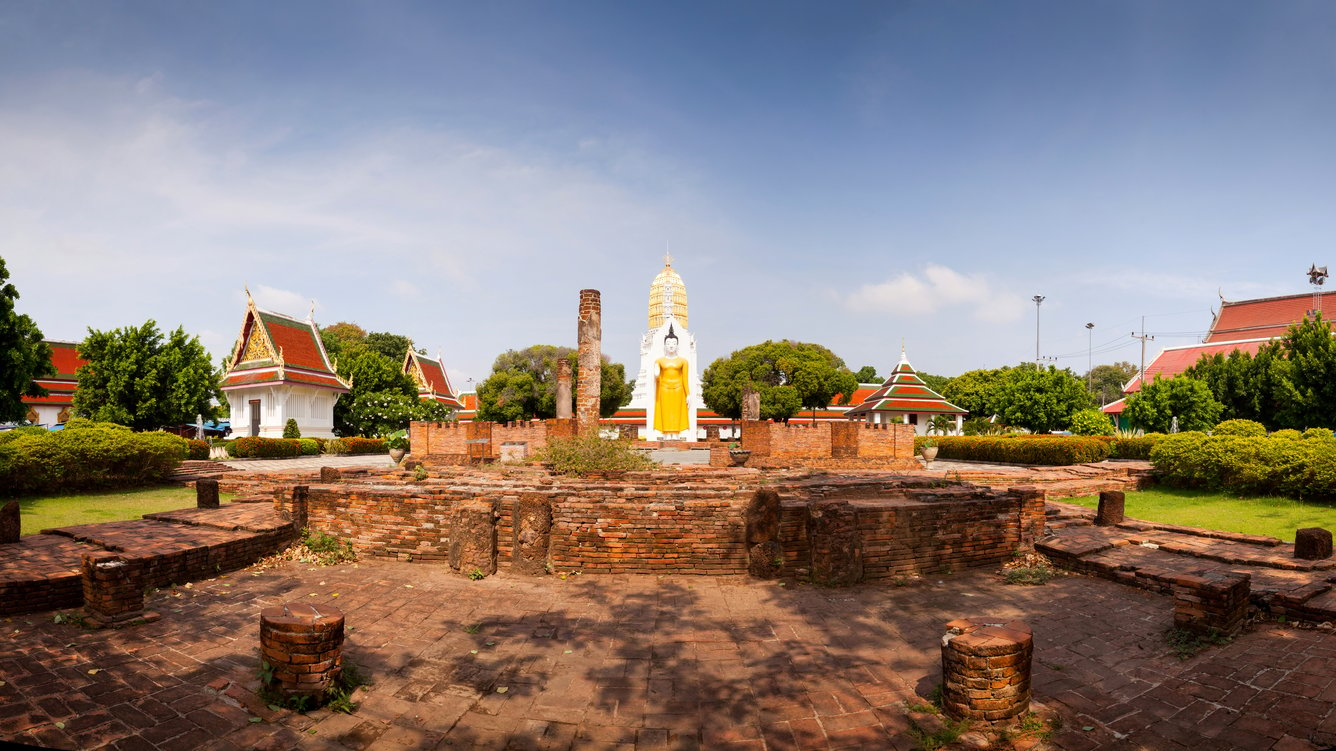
36 514
1264 515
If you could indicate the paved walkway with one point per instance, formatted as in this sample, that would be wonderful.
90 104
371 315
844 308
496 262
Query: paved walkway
622 662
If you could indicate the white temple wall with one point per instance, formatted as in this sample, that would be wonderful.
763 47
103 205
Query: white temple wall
312 408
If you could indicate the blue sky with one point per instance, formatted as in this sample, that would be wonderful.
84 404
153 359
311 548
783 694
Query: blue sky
852 174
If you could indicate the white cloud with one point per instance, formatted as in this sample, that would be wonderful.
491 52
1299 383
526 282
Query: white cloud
287 302
934 289
404 288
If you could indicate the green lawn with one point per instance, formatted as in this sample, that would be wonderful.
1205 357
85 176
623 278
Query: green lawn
37 514
1275 517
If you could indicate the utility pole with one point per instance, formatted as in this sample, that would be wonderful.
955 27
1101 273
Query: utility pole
1037 300
1141 374
1090 352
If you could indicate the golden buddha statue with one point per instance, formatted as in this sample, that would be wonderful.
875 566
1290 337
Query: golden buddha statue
670 389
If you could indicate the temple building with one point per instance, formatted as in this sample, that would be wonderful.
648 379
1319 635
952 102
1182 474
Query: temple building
54 408
279 370
904 397
1244 325
431 379
668 383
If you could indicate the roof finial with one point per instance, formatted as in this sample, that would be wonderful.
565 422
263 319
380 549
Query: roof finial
667 255
310 315
248 294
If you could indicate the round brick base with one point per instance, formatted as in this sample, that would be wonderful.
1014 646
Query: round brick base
986 670
303 646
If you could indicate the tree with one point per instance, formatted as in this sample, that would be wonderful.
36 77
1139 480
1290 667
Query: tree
523 384
1311 352
341 336
937 383
23 355
971 390
1107 381
1154 407
133 377
788 376
369 373
1039 399
867 374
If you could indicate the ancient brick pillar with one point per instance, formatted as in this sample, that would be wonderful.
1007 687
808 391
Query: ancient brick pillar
1030 503
300 507
206 493
302 649
590 340
1111 504
332 474
473 538
751 404
986 670
10 526
113 590
765 556
564 386
1211 603
1312 544
712 432
837 547
533 533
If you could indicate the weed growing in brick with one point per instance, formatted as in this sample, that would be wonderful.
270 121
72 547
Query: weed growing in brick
419 473
1029 569
1185 644
575 456
475 628
477 574
326 549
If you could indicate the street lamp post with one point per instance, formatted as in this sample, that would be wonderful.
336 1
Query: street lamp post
1090 351
1037 300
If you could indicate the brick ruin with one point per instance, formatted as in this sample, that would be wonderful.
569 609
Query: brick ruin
445 443
825 445
589 379
838 531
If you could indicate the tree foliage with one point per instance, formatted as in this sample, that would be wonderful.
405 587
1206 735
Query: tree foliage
23 354
1106 381
972 390
1311 352
135 377
867 374
789 376
1039 399
1154 407
523 384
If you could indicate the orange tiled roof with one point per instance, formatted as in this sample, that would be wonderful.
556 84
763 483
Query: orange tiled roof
435 383
292 353
903 392
60 387
1174 360
1268 317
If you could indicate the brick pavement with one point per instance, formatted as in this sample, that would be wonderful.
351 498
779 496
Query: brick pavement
642 662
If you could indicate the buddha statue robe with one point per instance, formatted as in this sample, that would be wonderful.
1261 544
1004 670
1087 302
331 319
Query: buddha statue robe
670 395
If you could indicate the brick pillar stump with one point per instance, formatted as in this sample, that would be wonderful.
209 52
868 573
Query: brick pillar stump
533 533
206 493
986 670
837 548
330 474
1111 505
473 538
113 591
1030 503
589 378
1214 603
300 514
564 389
1312 544
10 526
765 556
303 648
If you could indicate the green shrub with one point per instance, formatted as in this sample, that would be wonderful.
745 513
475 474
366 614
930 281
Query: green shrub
16 433
290 429
336 446
197 449
1244 428
1134 448
1091 422
309 447
573 456
1021 449
1317 433
254 447
92 456
1253 466
365 445
321 442
397 440
1288 434
227 446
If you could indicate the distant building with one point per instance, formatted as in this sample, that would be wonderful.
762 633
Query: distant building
279 370
1243 326
54 408
432 382
904 397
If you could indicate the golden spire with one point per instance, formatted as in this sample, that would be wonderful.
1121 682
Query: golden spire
667 297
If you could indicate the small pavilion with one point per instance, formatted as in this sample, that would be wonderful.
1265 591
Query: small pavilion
904 397
279 370
431 379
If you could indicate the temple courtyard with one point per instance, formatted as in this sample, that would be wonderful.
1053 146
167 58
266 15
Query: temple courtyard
646 662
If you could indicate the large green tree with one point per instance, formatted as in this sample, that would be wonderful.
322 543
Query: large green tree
135 377
523 384
1311 352
1154 407
789 376
972 390
23 354
867 374
1041 399
1106 381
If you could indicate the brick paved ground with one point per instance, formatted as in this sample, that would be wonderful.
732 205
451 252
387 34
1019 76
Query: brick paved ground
647 663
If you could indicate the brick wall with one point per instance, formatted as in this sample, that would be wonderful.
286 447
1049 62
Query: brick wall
448 440
825 445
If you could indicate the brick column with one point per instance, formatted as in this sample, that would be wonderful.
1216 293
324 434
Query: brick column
1032 514
533 533
590 377
10 526
986 670
206 493
113 591
302 645
751 404
1214 603
837 548
1111 505
1312 544
473 538
300 507
564 383
765 556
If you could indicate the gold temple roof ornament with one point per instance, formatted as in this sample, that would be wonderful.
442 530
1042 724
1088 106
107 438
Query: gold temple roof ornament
667 297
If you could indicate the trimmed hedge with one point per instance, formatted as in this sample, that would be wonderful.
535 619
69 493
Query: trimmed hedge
1134 448
252 447
309 446
196 449
1245 428
89 457
1021 449
1252 466
357 445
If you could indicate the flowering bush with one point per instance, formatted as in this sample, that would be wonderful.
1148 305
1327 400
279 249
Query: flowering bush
197 449
357 445
249 447
381 413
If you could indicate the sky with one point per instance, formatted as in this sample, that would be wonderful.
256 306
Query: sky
853 174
